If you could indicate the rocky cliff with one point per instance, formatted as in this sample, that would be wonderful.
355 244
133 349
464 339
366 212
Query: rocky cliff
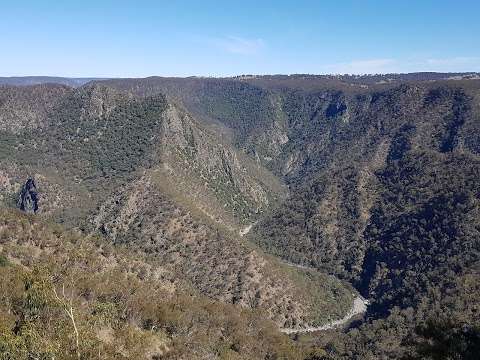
28 198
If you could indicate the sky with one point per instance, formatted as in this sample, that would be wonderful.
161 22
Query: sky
107 38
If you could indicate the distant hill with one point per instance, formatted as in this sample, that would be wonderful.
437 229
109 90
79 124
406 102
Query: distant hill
36 80
271 80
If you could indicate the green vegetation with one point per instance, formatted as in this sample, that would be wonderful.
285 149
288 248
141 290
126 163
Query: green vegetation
401 221
329 299
216 261
70 297
382 179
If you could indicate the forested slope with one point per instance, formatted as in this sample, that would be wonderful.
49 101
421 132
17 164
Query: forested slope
373 180
144 173
383 191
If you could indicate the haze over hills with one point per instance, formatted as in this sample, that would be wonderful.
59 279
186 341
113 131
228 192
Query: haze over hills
293 78
247 205
36 80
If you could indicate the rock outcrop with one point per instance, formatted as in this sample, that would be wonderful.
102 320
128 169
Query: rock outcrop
28 200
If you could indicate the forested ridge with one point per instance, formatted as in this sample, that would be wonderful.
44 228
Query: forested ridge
369 181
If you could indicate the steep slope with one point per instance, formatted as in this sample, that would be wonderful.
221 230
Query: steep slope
382 191
427 234
326 216
392 203
215 261
382 185
261 113
232 107
101 136
327 136
28 108
224 184
66 296
144 173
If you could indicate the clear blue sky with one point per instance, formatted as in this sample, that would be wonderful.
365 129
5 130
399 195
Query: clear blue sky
204 37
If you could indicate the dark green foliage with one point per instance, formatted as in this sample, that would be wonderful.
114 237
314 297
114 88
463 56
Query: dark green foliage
3 260
383 186
301 236
92 138
92 132
400 220
440 339
424 230
240 106
112 140
383 182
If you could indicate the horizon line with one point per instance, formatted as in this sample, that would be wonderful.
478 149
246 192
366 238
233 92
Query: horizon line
239 75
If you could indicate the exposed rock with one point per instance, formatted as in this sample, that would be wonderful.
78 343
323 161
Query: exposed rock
28 200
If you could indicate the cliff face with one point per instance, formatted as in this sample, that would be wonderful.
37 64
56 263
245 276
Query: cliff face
204 170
